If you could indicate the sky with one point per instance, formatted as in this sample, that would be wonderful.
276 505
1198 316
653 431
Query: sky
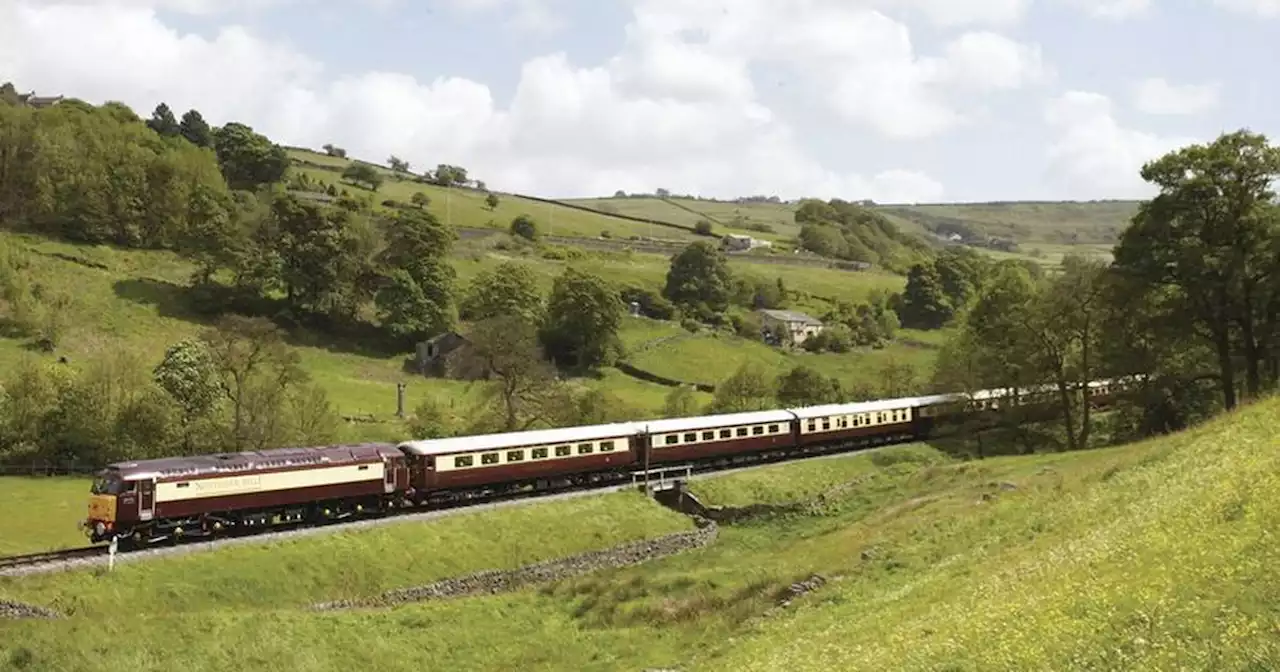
899 101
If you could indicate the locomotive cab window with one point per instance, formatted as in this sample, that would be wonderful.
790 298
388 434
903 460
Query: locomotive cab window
563 451
489 458
515 455
539 453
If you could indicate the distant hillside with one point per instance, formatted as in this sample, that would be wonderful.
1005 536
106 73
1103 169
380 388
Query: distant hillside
1065 222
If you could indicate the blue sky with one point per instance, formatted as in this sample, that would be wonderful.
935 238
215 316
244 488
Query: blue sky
895 100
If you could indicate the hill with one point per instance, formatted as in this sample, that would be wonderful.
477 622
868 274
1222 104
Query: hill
1156 555
1027 223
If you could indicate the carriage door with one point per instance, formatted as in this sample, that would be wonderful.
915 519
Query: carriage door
146 499
391 468
640 447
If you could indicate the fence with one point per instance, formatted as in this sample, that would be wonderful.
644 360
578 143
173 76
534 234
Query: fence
47 469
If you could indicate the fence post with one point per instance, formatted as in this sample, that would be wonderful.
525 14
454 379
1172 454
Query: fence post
400 400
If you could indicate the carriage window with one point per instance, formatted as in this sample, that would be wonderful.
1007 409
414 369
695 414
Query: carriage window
606 446
773 429
462 461
707 436
363 467
515 455
584 448
757 430
539 453
812 425
671 439
184 485
562 451
826 423
489 458
742 431
726 433
690 437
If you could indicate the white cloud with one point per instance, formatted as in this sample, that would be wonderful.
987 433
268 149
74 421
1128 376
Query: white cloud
1093 154
952 13
1157 96
1112 9
861 61
1263 8
635 123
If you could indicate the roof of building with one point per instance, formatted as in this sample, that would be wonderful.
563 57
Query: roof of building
790 316
250 461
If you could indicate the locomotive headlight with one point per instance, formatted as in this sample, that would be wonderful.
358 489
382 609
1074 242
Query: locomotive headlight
99 527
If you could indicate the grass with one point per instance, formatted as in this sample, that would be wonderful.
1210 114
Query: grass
1158 555
134 300
60 502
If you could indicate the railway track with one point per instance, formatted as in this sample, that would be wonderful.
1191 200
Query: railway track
61 555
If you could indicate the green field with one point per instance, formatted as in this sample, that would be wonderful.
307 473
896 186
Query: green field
133 301
41 514
1158 556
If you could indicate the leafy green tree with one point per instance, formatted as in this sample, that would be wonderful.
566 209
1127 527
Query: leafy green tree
363 173
524 226
584 313
398 165
248 159
681 402
491 201
163 122
699 278
925 304
255 370
188 375
324 261
750 388
510 288
195 129
420 199
416 299
803 386
1209 233
507 348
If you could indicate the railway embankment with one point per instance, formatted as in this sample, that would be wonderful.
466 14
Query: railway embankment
491 582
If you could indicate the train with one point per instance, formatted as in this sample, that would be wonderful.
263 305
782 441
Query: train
143 502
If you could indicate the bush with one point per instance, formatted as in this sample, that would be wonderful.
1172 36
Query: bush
651 303
523 226
702 228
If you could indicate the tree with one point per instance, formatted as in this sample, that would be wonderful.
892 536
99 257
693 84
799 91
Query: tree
323 259
524 226
925 304
507 347
750 388
163 122
492 201
416 298
188 375
699 278
398 165
680 403
363 173
254 370
1209 233
803 386
584 313
195 129
510 288
420 199
248 159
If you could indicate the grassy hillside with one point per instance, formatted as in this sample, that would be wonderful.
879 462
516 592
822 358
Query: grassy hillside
134 300
1024 222
1153 556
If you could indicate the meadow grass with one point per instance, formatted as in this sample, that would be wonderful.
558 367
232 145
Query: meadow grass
41 513
134 300
1155 556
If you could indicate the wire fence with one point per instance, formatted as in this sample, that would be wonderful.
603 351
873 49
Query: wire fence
47 469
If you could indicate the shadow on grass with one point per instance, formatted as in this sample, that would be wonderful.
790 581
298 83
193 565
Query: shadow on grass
204 305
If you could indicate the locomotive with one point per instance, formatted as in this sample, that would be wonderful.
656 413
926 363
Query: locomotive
148 501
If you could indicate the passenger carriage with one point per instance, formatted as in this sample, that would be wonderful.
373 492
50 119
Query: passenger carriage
513 458
837 423
689 439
